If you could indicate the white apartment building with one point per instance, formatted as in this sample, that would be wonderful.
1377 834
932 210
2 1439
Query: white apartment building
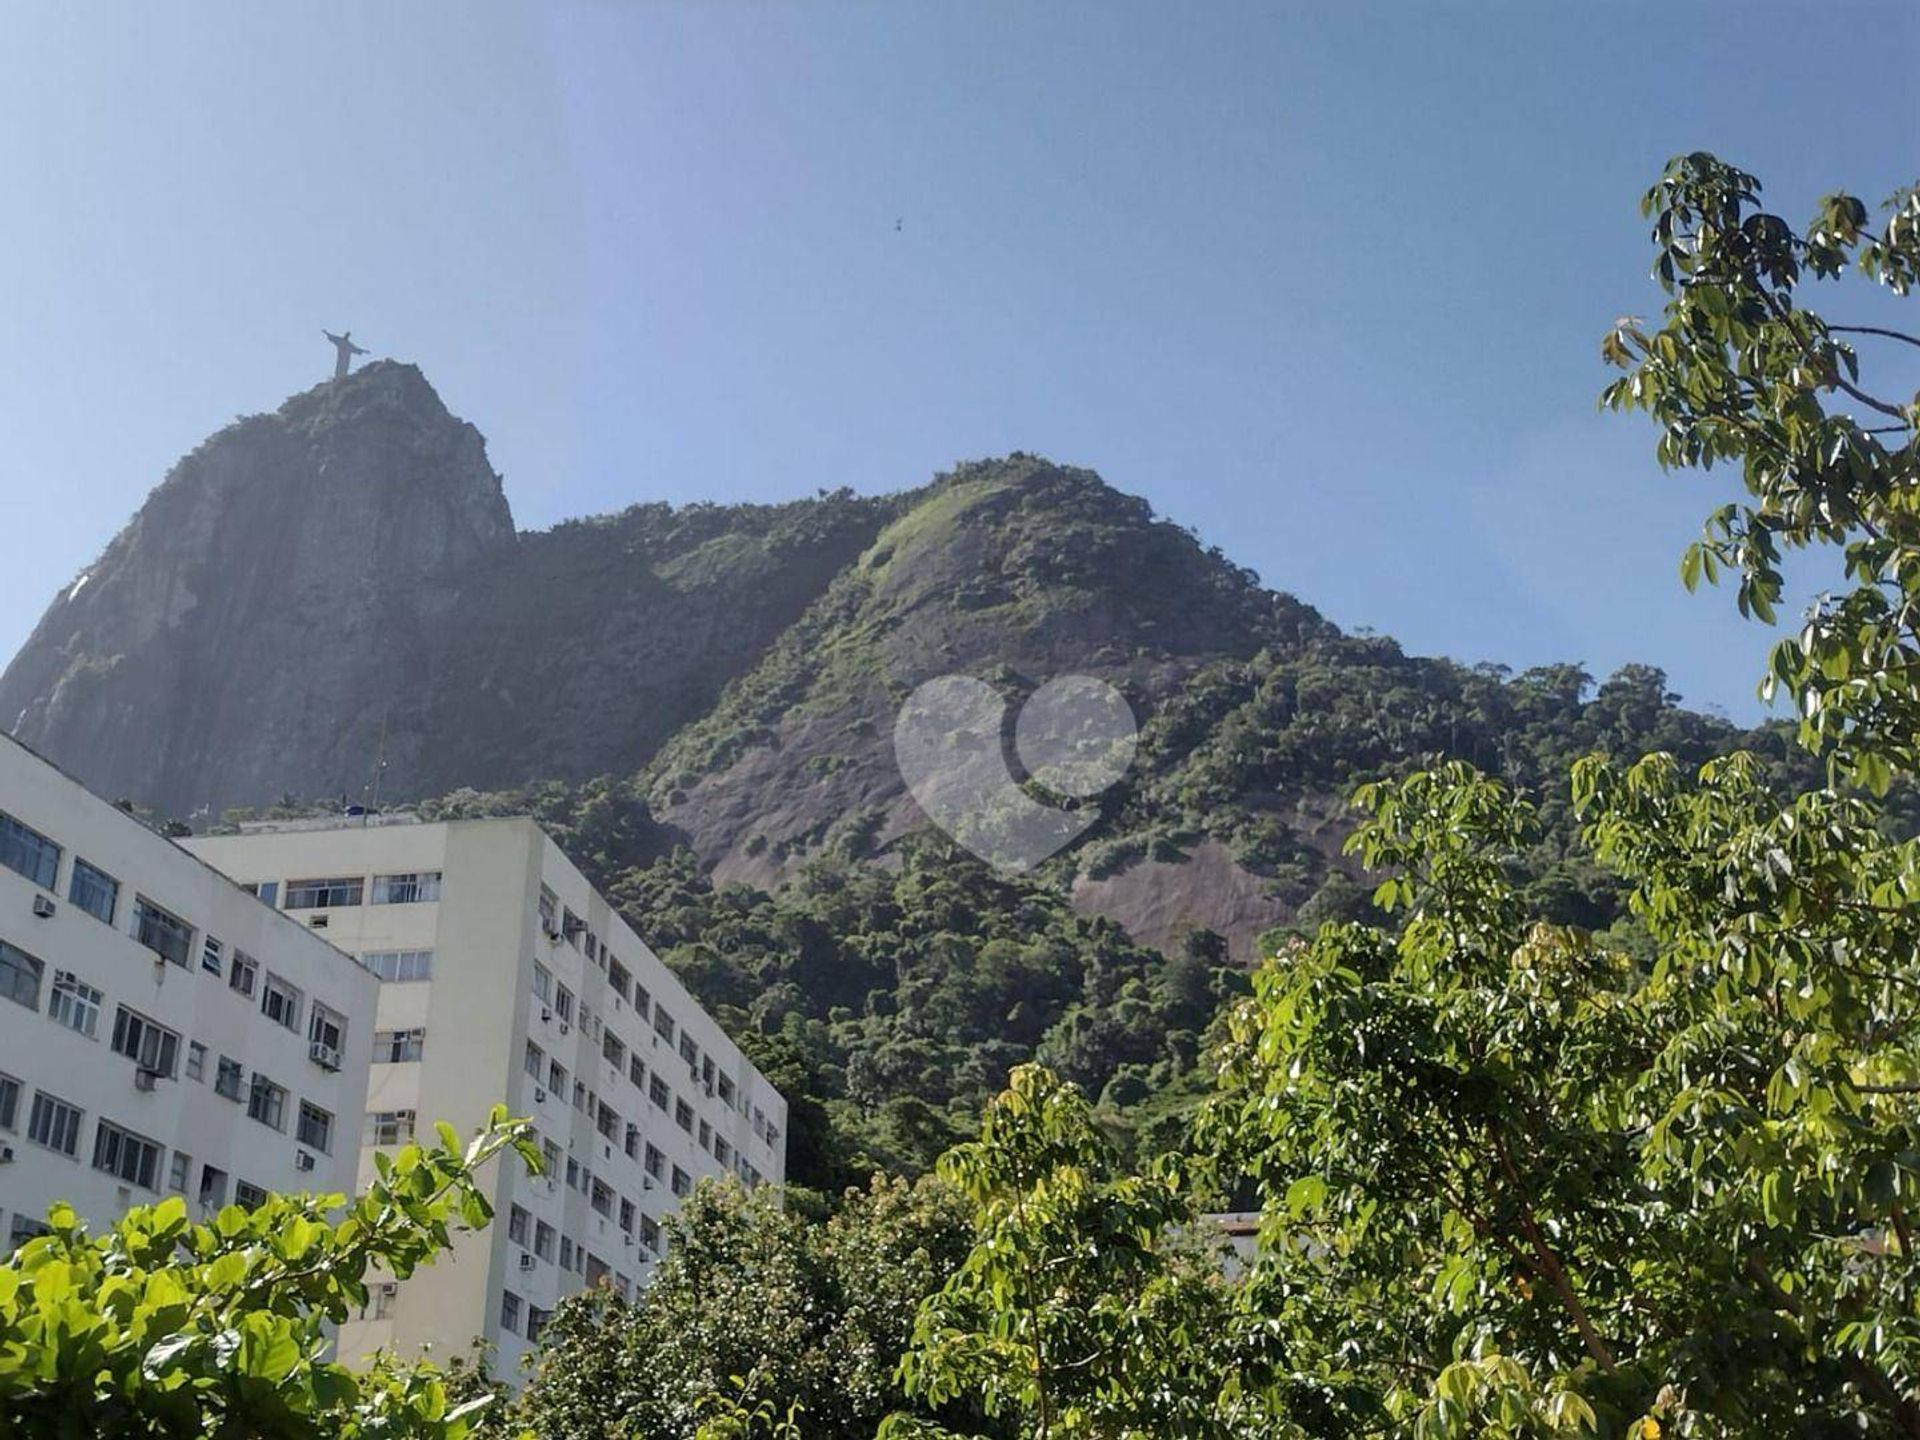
161 1031
506 978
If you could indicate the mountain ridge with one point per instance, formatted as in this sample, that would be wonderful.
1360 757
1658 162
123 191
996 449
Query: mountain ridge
331 602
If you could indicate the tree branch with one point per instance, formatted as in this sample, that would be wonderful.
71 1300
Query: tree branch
1875 330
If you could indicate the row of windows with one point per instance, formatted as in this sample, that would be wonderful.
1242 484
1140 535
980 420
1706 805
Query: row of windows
559 1002
399 965
31 854
77 1005
700 1068
413 887
55 1124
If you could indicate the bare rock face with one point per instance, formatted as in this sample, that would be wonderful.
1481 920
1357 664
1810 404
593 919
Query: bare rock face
330 602
265 623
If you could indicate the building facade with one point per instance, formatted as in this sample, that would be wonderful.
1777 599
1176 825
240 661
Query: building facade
506 978
161 1031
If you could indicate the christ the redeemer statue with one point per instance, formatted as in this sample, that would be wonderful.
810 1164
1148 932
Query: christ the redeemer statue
343 352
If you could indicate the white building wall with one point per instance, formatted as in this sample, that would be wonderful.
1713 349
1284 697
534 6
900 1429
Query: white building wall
480 1010
205 1137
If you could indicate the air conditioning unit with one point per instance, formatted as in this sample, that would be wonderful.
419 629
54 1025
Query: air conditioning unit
546 1015
565 1029
143 1078
627 1240
317 922
326 1056
302 1160
526 1260
646 1182
539 1096
6 1154
43 906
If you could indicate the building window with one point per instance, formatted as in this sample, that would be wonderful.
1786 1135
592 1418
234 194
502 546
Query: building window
580 1096
147 1043
597 1269
543 1240
706 1136
247 1195
267 1102
722 1151
196 1060
54 1123
517 1222
129 1157
602 1200
683 1115
536 1322
93 890
566 1253
572 927
613 1049
393 1047
551 1153
163 932
414 888
542 983
510 1312
637 1072
650 1233
400 965
211 956
9 1101
381 1297
227 1080
726 1091
663 1024
618 977
25 851
658 1093
24 1228
325 894
682 1183
563 1003
20 976
315 1127
607 1122
626 1215
557 1080
656 1162
280 1002
549 904
573 1173
633 1141
389 1127
267 892
179 1171
327 1028
213 1187
690 1053
642 1001
244 974
535 1062
74 1003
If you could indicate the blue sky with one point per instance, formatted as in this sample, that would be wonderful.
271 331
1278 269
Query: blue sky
1325 283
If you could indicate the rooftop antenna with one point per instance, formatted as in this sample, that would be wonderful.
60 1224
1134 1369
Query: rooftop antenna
379 766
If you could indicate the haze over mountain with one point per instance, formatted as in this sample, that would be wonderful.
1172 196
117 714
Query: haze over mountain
330 602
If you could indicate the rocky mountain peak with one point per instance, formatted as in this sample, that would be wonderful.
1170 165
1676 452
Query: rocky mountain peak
285 571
